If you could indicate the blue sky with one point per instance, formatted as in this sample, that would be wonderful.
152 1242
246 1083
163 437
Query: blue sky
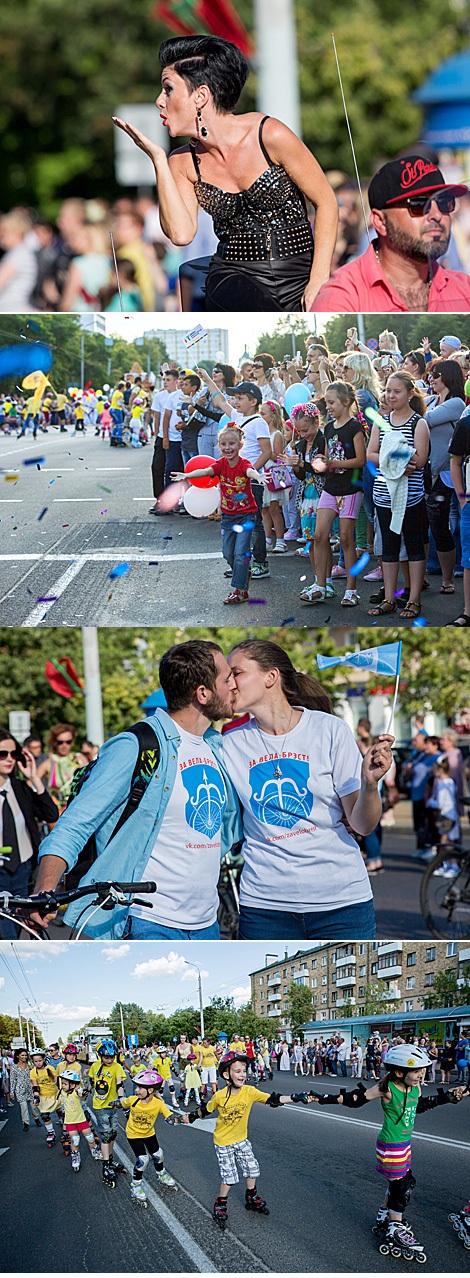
72 982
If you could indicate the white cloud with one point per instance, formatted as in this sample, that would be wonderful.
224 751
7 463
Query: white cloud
172 964
114 952
59 1012
45 950
2 982
241 994
30 970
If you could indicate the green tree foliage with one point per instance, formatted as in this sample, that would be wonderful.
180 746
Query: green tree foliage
252 1025
409 329
446 992
135 1021
10 1028
300 1006
62 81
375 1000
62 333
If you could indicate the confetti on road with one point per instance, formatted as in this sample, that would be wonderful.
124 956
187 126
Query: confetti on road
43 512
34 461
360 565
288 621
47 598
419 622
153 563
257 601
119 570
103 489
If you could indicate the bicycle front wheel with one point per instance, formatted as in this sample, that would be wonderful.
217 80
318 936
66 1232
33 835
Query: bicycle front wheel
445 897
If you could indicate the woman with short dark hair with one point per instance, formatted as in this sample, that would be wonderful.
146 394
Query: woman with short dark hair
250 172
444 410
24 803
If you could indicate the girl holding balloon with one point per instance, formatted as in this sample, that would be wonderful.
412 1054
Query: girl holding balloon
238 506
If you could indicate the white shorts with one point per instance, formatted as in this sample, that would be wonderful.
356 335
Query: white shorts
208 1074
229 1155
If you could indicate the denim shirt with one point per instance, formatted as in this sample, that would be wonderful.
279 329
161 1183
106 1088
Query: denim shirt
98 806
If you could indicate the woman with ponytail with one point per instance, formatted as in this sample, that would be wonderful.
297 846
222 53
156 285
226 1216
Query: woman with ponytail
300 778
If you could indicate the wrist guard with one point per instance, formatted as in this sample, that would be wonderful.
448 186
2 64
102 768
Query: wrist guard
274 1100
432 1102
326 1098
300 1097
200 1112
355 1099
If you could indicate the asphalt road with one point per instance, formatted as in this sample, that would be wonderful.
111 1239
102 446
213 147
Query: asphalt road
317 1175
96 502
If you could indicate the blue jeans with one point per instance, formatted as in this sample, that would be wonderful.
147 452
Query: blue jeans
188 453
236 548
351 922
16 883
146 930
173 459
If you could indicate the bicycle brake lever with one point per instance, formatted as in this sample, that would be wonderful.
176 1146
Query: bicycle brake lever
147 904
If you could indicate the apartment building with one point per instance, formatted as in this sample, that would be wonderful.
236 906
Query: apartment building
337 975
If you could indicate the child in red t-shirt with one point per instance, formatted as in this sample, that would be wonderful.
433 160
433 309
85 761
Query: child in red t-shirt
238 507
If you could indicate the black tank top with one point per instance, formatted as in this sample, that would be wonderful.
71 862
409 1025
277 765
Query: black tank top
268 220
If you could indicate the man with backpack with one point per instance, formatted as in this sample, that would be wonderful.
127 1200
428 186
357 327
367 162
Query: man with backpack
160 808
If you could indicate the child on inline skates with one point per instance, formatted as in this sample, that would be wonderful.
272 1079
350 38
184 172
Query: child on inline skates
233 1105
192 1079
144 1108
69 1062
45 1092
74 1120
105 1080
400 1094
160 1061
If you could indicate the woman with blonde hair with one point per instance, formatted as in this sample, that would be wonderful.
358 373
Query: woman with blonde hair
18 267
90 268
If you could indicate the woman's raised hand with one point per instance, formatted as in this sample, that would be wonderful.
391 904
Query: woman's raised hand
152 149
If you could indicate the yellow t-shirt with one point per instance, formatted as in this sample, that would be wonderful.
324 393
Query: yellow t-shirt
162 1066
237 1045
45 1080
63 1065
117 400
233 1113
143 1116
209 1057
136 1069
105 1080
74 1112
79 412
61 401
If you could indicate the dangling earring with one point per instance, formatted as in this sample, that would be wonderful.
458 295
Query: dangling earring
203 132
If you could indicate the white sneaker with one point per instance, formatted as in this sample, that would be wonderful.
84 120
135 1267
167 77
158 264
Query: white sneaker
280 547
447 870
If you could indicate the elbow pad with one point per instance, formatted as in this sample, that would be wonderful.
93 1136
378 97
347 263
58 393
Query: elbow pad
274 1100
355 1099
426 1103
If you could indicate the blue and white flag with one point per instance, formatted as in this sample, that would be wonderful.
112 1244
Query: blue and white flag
384 660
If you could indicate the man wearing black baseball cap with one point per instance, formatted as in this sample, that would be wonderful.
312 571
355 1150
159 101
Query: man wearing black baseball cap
411 206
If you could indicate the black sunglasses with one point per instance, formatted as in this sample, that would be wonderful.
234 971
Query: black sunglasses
10 754
419 205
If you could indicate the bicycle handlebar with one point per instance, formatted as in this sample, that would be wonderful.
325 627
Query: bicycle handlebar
102 890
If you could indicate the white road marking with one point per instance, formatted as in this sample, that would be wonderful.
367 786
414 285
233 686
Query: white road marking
64 500
40 611
183 1238
11 501
361 1122
108 556
52 470
5 1151
144 499
101 469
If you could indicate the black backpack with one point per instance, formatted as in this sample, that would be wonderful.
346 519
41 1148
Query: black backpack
146 765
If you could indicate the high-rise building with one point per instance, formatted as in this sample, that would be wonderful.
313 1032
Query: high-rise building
94 322
209 347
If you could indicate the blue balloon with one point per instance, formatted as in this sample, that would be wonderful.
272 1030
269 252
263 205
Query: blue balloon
30 357
224 421
297 394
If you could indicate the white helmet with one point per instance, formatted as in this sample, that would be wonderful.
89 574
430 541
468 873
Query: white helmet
407 1056
71 1075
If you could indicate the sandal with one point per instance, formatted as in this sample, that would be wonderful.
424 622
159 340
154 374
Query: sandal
350 599
461 622
316 594
447 588
237 597
412 611
382 610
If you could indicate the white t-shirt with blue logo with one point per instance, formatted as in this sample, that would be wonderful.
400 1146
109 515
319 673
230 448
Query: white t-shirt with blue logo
298 854
185 860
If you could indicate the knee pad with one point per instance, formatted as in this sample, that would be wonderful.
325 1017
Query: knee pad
400 1192
74 1140
157 1157
141 1163
89 1137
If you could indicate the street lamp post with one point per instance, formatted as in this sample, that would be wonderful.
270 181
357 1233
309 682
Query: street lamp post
199 983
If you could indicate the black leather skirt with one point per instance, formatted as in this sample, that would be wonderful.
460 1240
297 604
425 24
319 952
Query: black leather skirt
276 284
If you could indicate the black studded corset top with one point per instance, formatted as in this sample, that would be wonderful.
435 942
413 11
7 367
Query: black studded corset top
267 220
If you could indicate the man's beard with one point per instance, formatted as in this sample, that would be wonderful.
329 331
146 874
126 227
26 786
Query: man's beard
218 709
414 248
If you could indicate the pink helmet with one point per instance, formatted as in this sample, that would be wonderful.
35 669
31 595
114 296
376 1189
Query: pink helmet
191 1056
148 1078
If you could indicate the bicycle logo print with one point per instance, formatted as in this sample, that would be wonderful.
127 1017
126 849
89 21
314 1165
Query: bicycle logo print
284 800
206 799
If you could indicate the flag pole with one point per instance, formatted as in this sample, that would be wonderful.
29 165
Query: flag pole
395 695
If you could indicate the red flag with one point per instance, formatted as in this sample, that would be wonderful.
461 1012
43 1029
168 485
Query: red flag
215 17
62 677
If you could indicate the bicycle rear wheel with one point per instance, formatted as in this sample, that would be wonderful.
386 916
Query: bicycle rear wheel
445 902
